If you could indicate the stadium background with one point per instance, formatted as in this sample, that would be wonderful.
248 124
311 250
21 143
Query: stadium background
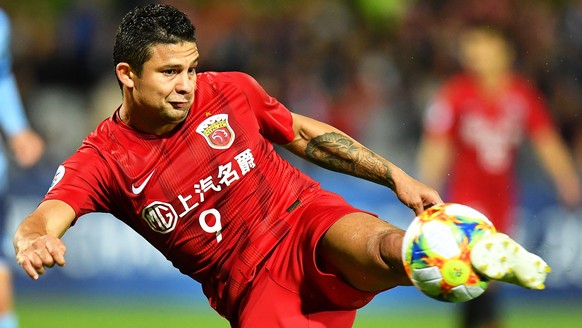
366 66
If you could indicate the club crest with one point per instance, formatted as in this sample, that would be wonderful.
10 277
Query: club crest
217 131
58 177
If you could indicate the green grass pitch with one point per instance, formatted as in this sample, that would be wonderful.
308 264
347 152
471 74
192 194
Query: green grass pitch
76 311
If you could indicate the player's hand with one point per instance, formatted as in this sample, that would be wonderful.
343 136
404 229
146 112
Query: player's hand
570 194
414 193
27 147
34 254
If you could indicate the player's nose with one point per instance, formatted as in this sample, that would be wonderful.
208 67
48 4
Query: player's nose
186 83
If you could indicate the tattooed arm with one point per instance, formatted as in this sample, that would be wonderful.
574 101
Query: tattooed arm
332 149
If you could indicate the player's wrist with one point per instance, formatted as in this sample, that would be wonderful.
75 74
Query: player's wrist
396 178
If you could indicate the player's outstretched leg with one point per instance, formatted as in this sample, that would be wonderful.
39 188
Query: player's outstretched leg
499 257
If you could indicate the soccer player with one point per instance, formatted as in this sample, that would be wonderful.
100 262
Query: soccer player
26 146
187 161
473 129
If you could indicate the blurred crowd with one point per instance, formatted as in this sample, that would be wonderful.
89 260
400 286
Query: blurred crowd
366 66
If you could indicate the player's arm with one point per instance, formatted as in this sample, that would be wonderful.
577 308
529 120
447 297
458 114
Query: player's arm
558 162
332 149
37 240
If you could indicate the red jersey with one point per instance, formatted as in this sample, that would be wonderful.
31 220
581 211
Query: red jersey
209 195
486 132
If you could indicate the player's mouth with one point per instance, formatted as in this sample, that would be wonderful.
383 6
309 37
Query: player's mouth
180 104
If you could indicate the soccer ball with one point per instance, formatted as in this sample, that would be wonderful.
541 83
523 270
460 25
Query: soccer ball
436 252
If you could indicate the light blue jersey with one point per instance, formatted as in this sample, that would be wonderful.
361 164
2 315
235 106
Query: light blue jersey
12 116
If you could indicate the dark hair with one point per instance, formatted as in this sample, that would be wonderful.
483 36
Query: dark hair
148 25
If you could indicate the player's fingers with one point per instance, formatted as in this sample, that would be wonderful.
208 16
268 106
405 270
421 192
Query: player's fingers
430 199
428 205
35 259
40 270
433 198
45 257
50 250
28 267
417 206
57 251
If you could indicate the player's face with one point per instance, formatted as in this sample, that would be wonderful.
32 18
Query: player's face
485 53
164 92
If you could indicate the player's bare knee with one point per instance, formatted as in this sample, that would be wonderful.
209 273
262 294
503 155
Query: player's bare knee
390 246
389 252
383 268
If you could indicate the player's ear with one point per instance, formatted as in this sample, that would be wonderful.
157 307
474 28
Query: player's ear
125 74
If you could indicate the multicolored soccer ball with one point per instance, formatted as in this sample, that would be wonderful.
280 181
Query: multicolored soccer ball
436 252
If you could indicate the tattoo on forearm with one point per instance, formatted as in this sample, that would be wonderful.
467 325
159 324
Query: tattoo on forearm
340 153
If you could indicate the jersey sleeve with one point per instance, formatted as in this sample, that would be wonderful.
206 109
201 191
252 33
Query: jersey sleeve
275 120
83 182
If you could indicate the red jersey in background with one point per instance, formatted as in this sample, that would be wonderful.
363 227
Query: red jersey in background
486 132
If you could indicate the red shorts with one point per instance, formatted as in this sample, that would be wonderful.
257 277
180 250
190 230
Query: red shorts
290 290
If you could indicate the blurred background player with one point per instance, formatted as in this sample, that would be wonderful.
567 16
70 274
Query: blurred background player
27 148
473 128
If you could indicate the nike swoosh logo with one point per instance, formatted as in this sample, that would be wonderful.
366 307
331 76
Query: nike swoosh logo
137 190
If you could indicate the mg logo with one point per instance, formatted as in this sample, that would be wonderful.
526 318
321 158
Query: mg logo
160 216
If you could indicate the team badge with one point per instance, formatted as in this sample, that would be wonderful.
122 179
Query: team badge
58 176
217 131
